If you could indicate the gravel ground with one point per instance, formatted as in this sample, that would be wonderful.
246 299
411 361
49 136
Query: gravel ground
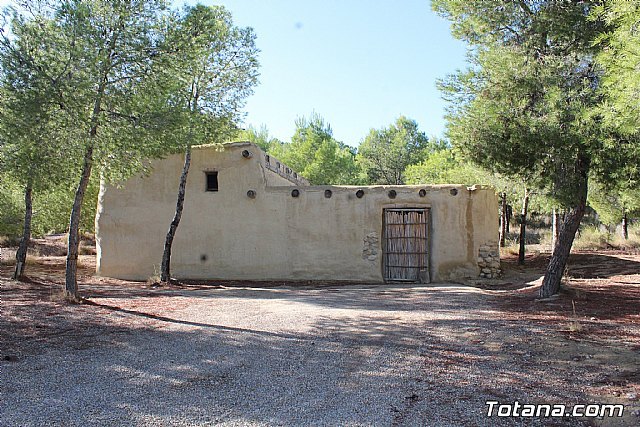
354 355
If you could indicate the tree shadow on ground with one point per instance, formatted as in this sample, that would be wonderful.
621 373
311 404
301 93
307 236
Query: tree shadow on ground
583 265
598 266
367 354
373 368
370 296
385 357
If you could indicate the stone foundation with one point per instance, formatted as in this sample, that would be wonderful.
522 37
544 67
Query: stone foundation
370 247
489 260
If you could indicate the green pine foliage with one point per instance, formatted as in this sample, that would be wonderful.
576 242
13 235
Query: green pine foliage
51 208
529 107
385 153
444 167
260 137
316 154
620 59
613 203
11 207
550 101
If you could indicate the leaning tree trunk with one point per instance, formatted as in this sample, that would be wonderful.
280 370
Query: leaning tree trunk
523 226
71 280
503 218
21 255
555 228
165 273
625 226
572 218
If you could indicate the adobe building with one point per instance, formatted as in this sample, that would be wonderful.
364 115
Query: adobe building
248 216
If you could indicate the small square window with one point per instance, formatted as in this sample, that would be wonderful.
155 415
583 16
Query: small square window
212 181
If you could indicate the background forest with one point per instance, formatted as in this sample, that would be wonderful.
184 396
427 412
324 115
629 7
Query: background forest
547 113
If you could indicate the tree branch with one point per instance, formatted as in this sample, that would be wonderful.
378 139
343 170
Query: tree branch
525 7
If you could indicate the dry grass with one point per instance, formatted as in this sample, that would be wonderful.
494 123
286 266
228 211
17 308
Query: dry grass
633 242
53 245
9 241
574 325
593 238
155 279
589 238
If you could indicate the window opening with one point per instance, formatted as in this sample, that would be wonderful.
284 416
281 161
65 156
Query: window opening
212 181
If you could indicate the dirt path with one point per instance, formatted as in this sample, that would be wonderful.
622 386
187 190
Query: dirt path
348 355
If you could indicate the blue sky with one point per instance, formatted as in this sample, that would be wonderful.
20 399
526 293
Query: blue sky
358 63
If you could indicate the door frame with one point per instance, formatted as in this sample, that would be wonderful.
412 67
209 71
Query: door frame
426 208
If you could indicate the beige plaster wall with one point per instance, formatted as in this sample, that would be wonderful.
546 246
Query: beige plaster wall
227 235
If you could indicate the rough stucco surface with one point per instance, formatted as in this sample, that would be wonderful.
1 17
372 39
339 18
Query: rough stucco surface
227 235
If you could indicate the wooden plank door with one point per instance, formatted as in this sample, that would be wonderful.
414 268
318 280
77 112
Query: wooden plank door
406 245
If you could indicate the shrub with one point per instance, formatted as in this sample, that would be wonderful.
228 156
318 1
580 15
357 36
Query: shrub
633 242
592 238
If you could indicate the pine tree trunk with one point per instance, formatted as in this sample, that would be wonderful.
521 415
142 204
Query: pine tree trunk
71 281
508 219
523 226
555 228
165 274
71 273
572 218
503 219
625 226
21 255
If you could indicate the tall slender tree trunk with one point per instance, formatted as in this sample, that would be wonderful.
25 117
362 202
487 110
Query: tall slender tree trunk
572 218
71 273
555 228
523 226
625 225
21 255
165 274
71 280
503 218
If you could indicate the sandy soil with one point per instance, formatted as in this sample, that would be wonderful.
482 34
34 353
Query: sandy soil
329 354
